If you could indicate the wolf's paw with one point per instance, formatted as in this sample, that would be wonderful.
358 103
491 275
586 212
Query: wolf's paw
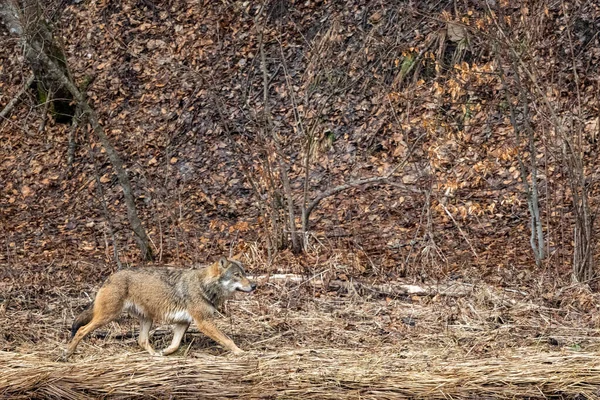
237 351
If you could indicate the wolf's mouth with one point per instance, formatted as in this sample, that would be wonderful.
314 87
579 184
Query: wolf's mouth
247 290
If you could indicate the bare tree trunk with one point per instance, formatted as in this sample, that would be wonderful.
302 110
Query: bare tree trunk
583 235
583 261
536 239
537 235
10 17
584 240
135 222
102 200
296 244
304 218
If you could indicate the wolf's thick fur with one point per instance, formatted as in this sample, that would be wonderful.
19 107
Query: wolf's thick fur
162 294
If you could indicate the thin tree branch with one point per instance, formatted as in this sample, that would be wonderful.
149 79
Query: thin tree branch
102 200
296 246
15 100
536 239
359 182
341 188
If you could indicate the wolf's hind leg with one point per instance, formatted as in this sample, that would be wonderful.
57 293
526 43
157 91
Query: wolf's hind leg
144 338
106 309
83 332
178 332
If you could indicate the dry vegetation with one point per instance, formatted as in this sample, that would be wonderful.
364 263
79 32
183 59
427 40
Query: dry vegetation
212 103
305 342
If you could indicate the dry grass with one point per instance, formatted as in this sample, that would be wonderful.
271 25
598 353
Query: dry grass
310 373
306 344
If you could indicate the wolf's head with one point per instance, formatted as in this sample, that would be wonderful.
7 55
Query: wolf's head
232 276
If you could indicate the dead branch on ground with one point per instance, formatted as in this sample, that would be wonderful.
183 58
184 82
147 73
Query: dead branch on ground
15 100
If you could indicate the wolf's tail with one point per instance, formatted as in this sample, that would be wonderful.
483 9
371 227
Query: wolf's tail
82 319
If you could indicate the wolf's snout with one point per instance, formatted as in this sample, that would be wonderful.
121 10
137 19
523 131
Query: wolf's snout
247 287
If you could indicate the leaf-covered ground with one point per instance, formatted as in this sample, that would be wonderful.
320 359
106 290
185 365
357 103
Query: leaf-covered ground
179 88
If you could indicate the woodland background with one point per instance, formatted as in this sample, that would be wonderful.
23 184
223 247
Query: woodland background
461 102
372 141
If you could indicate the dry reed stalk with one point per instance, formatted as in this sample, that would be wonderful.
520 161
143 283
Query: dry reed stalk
309 374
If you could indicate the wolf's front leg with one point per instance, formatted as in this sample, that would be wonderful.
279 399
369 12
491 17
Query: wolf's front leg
210 330
178 332
144 338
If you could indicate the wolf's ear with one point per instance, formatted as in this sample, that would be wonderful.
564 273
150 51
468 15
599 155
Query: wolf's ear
216 268
223 263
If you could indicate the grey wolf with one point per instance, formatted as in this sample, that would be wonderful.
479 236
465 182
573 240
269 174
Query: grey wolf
173 296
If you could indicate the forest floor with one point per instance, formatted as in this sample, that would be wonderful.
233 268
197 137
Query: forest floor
306 342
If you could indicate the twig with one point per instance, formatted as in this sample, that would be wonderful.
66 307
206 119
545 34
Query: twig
104 206
187 350
459 229
15 100
272 338
283 165
397 288
45 112
246 169
531 191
